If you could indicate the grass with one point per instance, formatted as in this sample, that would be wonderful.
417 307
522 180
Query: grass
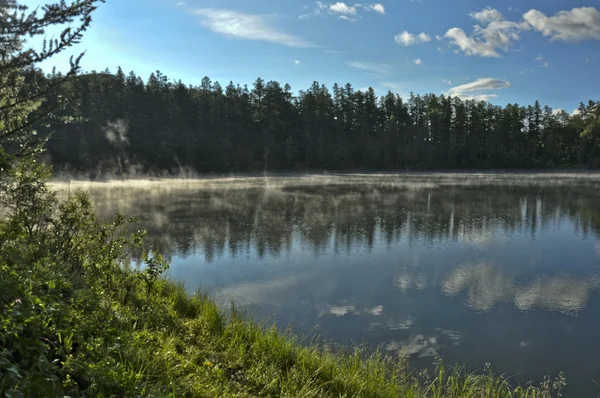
175 345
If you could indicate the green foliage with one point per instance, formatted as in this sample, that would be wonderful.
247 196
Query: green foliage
21 93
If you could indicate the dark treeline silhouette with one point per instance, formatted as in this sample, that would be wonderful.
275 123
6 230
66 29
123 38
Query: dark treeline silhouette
118 122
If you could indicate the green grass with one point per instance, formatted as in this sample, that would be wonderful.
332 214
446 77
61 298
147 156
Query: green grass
173 344
75 321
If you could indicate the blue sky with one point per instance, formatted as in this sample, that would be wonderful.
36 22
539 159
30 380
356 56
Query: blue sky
515 51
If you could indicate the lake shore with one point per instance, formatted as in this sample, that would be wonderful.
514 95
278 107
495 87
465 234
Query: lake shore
174 344
120 332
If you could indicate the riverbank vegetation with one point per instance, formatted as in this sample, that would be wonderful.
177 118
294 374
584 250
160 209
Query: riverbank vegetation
79 318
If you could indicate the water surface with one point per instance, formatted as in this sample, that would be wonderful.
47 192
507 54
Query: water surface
476 268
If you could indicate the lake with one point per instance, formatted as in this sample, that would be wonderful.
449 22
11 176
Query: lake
475 268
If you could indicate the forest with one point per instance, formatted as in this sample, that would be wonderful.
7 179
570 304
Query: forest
117 122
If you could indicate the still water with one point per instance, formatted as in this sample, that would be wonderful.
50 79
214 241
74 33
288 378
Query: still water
477 268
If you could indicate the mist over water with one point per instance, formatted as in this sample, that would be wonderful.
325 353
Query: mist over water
476 268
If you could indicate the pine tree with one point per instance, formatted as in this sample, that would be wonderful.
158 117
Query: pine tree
21 104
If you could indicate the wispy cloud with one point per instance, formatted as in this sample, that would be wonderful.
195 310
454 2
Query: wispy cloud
408 39
347 18
470 45
343 11
381 69
448 82
487 15
379 8
297 62
473 90
395 87
181 4
418 61
392 85
246 26
475 97
486 83
543 62
575 25
497 35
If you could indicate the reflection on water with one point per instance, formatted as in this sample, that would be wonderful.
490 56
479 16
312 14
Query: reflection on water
477 268
487 286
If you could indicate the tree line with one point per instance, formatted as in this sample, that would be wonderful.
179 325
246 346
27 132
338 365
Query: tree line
119 122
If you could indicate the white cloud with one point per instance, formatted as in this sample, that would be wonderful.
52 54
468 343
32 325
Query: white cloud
405 38
382 69
544 63
575 25
408 39
246 26
448 82
469 45
379 8
424 37
485 42
475 97
472 91
297 62
181 4
320 9
557 111
500 34
418 61
576 112
484 83
343 8
487 15
438 37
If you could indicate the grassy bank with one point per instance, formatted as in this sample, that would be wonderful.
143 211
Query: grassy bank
78 320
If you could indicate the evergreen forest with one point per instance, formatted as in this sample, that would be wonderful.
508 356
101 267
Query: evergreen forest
119 123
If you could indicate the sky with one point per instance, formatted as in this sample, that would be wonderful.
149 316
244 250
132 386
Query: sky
503 51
